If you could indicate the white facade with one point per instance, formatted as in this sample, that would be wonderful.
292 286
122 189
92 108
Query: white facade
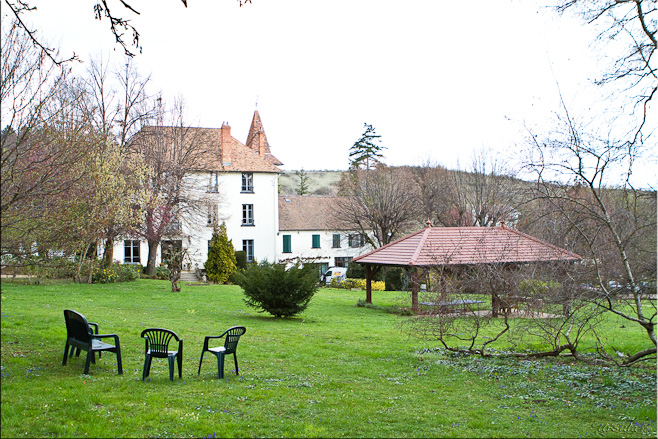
326 247
227 203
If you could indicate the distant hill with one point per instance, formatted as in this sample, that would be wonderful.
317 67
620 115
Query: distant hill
319 182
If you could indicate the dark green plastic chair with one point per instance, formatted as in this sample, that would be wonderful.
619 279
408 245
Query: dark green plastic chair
230 345
79 336
157 346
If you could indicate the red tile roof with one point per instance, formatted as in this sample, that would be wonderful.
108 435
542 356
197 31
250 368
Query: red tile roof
253 139
209 156
463 246
308 213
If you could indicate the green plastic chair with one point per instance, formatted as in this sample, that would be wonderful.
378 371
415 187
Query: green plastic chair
80 336
230 345
157 346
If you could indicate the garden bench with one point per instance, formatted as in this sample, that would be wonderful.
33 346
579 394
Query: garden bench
79 336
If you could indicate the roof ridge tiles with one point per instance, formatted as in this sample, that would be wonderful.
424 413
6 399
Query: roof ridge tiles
426 231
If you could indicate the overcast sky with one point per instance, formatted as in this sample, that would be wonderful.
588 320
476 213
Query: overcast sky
437 80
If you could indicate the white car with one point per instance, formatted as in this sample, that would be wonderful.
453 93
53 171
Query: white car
334 272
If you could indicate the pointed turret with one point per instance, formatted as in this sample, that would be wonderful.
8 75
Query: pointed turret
257 141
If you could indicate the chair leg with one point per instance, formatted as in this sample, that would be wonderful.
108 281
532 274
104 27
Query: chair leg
179 358
220 365
235 357
147 367
66 352
90 359
171 360
200 360
119 366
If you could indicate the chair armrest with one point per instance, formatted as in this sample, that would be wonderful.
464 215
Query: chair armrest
95 325
210 337
114 336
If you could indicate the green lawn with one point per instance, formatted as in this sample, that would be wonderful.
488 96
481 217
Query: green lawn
336 370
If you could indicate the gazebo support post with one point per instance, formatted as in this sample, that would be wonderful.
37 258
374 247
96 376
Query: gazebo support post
371 272
415 287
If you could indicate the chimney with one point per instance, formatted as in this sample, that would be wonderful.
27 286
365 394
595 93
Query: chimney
261 143
225 144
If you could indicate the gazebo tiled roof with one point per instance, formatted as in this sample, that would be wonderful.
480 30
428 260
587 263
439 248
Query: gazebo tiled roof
432 246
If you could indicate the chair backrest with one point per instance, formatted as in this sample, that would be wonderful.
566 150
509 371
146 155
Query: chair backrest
232 337
157 339
77 326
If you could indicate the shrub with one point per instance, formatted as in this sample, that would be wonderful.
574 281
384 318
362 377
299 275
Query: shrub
536 287
358 271
161 273
115 273
221 261
241 260
361 284
273 289
393 279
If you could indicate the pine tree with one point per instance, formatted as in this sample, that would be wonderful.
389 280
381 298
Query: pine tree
366 152
273 289
221 261
303 183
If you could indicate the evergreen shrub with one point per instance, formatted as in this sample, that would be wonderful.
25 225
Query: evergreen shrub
273 289
393 279
221 261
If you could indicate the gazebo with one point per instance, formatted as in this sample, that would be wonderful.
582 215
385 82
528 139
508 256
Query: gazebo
458 246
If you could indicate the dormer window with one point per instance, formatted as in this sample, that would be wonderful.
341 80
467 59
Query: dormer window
247 182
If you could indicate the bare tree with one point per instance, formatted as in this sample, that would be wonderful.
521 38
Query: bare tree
118 102
484 195
633 24
170 152
103 9
43 141
538 304
615 226
378 204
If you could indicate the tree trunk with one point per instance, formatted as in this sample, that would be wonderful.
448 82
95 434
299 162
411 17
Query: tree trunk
108 252
150 267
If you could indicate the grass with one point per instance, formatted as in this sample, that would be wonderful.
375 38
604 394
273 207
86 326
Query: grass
336 370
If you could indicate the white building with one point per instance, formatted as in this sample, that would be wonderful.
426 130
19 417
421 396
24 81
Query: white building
235 183
309 232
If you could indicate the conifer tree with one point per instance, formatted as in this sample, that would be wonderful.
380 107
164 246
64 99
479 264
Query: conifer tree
221 261
303 183
367 151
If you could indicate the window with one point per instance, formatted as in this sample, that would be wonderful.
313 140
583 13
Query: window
247 182
212 183
248 249
247 214
342 261
131 252
316 241
336 240
287 248
356 240
212 214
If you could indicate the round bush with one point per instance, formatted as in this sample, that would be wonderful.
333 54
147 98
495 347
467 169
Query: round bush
273 289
